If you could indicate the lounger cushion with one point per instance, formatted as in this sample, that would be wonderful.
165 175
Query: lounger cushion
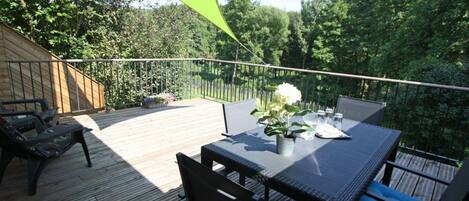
11 133
386 192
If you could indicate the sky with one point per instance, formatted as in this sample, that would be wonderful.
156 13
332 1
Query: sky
287 5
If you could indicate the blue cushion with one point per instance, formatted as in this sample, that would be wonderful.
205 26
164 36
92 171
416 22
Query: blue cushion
385 192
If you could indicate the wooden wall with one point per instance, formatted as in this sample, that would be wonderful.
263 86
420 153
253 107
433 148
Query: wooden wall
30 71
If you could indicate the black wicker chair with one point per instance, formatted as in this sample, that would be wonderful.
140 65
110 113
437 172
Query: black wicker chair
458 188
238 117
201 183
367 111
48 144
47 114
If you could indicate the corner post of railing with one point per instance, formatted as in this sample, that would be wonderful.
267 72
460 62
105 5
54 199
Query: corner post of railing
67 80
234 74
188 69
202 71
76 86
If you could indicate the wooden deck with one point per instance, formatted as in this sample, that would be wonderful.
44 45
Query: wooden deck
133 153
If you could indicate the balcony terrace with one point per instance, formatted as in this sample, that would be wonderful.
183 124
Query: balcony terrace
133 149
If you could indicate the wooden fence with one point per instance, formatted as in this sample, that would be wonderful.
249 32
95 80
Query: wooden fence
60 83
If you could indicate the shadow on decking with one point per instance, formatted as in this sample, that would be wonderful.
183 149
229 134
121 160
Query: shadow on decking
114 117
131 151
68 178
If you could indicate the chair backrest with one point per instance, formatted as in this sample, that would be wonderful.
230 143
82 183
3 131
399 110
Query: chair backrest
201 183
371 112
238 116
11 139
458 189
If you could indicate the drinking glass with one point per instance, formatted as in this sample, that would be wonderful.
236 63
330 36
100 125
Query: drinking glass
321 117
338 117
311 119
329 115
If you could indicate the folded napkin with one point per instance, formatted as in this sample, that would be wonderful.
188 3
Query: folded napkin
330 132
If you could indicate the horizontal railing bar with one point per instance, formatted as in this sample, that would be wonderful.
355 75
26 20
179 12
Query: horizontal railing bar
104 60
53 61
417 83
349 75
153 59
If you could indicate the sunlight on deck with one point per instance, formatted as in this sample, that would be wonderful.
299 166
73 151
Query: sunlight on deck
183 126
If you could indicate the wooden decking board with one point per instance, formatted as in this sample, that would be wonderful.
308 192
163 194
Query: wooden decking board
445 172
409 180
380 174
425 187
396 177
133 153
119 173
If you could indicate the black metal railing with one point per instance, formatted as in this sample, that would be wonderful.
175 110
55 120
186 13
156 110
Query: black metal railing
433 117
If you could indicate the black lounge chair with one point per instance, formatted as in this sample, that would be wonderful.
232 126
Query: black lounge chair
238 117
48 144
367 111
458 189
47 114
201 183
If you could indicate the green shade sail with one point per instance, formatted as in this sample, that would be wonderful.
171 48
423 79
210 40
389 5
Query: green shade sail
210 10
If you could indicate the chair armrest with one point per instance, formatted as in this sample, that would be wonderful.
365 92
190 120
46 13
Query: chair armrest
429 155
374 196
257 197
43 102
19 113
416 172
55 132
181 196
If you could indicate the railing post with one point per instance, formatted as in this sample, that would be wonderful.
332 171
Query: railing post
67 79
202 69
22 83
234 74
52 94
13 94
76 87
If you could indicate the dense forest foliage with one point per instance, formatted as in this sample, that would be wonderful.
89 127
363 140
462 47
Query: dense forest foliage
399 39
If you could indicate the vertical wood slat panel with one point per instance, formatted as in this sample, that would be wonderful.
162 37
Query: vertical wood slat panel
60 86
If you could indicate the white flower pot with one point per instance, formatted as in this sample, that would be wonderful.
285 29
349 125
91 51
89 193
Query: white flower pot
285 146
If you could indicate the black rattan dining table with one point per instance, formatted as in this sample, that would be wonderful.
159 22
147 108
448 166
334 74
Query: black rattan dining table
318 169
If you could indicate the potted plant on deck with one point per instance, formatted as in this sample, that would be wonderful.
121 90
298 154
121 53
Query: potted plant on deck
160 100
278 115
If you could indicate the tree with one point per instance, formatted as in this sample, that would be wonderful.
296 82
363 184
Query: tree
438 29
64 27
235 13
296 47
328 42
310 13
269 33
264 30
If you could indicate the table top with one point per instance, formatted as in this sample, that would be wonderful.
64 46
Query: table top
323 169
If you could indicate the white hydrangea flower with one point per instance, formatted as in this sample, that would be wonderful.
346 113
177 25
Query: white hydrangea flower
288 93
